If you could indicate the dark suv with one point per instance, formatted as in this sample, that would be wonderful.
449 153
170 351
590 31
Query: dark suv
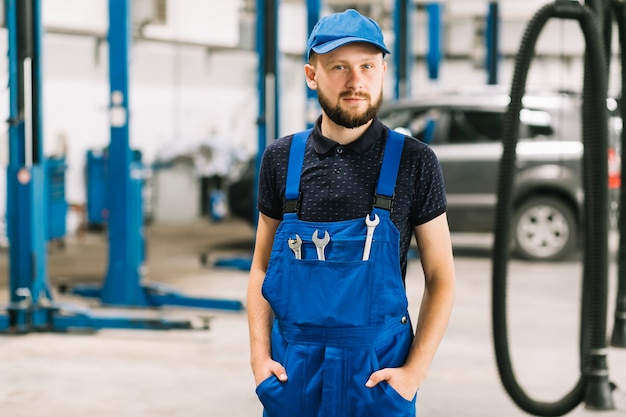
464 131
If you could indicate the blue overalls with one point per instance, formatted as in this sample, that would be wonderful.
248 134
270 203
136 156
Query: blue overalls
339 319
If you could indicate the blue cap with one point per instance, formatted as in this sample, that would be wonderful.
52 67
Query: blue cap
339 29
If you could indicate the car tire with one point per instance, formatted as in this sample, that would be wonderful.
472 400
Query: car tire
545 229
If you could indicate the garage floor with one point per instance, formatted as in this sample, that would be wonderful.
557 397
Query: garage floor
146 373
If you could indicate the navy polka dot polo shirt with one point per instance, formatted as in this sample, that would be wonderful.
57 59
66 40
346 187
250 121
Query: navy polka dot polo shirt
338 182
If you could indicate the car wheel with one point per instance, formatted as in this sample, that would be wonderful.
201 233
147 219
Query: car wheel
545 229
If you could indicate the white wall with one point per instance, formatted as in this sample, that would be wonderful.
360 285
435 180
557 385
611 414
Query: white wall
178 92
75 14
186 92
213 22
559 49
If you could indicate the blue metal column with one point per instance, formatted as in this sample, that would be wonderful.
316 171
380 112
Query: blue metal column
492 37
402 49
18 219
122 285
312 106
267 80
122 282
435 30
26 202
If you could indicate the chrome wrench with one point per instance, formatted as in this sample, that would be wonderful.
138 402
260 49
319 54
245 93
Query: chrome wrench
371 226
295 244
320 244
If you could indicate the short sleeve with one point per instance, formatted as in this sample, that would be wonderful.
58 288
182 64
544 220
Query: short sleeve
272 176
430 193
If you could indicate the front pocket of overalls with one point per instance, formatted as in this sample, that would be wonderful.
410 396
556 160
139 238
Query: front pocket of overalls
300 395
397 402
280 399
274 396
330 294
380 400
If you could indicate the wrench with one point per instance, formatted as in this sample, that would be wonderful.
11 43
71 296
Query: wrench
371 226
295 244
320 244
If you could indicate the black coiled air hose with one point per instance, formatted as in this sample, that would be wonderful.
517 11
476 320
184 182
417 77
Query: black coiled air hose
592 386
618 337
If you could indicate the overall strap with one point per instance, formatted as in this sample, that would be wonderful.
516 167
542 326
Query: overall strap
389 171
294 171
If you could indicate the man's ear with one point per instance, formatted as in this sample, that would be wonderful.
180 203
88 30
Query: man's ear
311 80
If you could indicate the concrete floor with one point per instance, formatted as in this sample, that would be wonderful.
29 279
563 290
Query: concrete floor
206 373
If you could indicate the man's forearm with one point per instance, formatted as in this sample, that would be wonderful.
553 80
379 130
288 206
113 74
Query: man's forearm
432 322
439 289
260 313
259 319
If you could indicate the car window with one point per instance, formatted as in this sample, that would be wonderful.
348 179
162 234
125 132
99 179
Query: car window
471 126
397 118
423 123
417 123
535 123
474 126
465 126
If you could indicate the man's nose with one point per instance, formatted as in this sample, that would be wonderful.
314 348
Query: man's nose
355 79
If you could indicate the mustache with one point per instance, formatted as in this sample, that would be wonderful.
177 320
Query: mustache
347 94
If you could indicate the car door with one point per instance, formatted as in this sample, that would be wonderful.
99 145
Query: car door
467 144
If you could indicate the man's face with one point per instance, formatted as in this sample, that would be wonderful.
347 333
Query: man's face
349 81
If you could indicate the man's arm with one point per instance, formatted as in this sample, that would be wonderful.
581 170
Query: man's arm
260 314
435 249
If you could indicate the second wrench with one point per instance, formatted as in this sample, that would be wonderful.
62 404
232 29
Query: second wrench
320 244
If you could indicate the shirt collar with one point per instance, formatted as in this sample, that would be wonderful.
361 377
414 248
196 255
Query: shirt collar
322 144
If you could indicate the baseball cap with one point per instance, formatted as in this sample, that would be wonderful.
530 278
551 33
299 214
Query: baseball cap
339 29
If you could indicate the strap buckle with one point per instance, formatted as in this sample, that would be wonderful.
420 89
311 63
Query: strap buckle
292 206
384 202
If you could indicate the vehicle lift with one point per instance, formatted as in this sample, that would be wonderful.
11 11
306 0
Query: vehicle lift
31 304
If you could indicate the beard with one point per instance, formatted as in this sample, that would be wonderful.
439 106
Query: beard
346 118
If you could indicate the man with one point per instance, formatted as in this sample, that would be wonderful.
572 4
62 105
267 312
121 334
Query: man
329 330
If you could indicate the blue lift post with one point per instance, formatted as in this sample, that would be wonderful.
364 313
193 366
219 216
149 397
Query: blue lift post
122 286
267 80
121 283
402 49
26 205
435 28
31 305
492 37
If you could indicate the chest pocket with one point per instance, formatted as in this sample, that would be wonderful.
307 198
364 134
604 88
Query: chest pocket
337 288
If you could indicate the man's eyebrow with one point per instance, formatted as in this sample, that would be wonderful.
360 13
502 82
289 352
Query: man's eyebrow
339 60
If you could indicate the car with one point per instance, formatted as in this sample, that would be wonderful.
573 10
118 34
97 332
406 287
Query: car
240 195
464 130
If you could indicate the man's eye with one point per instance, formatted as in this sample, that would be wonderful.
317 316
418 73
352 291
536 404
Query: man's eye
339 67
368 66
